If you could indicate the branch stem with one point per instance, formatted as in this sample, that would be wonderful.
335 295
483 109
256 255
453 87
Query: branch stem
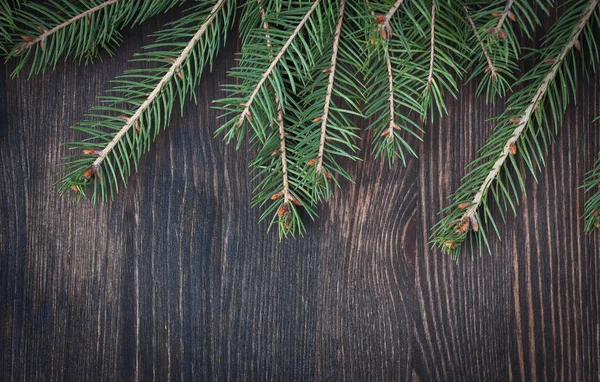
280 121
490 64
505 13
431 55
329 91
392 10
392 123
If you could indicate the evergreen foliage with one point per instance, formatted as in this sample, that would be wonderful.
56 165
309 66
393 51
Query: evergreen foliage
307 71
524 130
43 33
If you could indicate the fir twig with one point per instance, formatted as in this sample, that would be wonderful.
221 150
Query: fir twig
490 65
80 29
246 111
496 42
113 149
515 132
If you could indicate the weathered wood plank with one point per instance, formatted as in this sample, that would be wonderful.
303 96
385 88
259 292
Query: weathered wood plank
175 279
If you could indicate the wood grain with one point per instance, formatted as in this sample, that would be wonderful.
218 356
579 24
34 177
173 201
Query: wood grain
176 280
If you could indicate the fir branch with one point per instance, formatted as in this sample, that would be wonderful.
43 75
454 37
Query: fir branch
328 104
79 29
112 150
246 111
173 69
515 132
447 40
496 43
29 42
285 212
424 64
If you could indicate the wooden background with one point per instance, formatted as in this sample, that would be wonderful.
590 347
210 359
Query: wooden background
175 279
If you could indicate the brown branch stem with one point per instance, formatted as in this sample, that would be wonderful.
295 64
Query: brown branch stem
431 55
491 67
505 13
329 91
392 123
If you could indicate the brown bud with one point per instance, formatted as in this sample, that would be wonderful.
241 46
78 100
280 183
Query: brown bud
277 195
487 69
295 201
372 41
497 14
249 115
511 16
311 162
385 132
288 223
75 188
512 149
577 44
380 18
395 126
327 70
317 119
328 175
550 60
383 34
464 205
284 210
328 140
275 152
501 34
596 213
91 152
87 174
474 223
27 39
463 227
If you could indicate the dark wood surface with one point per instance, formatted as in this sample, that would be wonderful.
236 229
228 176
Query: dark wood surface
175 279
